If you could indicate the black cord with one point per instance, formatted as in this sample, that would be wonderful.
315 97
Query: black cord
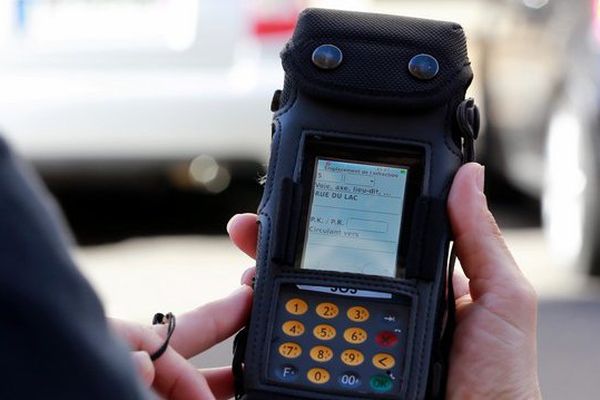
161 319
468 119
237 365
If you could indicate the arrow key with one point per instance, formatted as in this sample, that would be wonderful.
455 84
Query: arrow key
384 361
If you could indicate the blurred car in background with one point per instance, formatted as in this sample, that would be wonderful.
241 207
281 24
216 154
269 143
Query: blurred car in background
143 117
123 90
542 91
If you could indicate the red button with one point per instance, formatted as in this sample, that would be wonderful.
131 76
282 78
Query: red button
386 339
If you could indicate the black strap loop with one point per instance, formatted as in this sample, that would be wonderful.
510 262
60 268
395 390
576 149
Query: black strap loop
237 365
161 319
468 123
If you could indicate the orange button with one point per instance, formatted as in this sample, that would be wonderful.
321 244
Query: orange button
296 306
290 350
358 314
352 357
384 361
355 335
321 353
318 375
327 310
293 328
324 332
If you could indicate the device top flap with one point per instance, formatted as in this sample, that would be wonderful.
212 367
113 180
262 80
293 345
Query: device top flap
372 65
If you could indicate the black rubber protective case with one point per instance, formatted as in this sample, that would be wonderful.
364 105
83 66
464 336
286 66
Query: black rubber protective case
371 99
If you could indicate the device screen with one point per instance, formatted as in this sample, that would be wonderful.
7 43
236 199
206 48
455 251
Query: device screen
355 215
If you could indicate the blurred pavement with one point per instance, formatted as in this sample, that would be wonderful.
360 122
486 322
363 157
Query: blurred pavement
140 277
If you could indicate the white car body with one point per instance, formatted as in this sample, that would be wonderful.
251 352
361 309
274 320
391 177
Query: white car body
73 100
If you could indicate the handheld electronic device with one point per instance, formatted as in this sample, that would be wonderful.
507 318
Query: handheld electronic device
353 249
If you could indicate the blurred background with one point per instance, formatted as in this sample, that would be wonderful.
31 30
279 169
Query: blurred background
149 121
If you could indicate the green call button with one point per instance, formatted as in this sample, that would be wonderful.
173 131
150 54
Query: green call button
381 383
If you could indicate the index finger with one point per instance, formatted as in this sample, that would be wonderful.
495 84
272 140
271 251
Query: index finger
202 328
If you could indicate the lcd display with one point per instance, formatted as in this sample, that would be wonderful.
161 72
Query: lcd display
354 219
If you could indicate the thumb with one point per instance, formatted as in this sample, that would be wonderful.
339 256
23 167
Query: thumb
483 254
144 366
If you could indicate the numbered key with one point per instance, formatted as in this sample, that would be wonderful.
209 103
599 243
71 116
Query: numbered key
358 314
321 353
318 376
296 306
355 335
324 332
327 310
384 361
293 328
352 357
290 350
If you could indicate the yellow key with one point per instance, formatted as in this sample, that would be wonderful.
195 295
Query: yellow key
352 357
384 361
318 376
358 314
290 350
355 335
321 353
293 328
327 310
324 332
296 306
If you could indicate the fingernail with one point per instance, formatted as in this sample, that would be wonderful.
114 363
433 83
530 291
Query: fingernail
245 276
230 223
480 180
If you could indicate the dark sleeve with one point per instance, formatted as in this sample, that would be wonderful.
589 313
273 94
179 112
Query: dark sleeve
54 339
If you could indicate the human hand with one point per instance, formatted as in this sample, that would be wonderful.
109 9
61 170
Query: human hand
494 349
494 353
171 375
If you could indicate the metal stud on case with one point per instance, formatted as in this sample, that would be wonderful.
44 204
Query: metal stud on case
423 66
327 56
